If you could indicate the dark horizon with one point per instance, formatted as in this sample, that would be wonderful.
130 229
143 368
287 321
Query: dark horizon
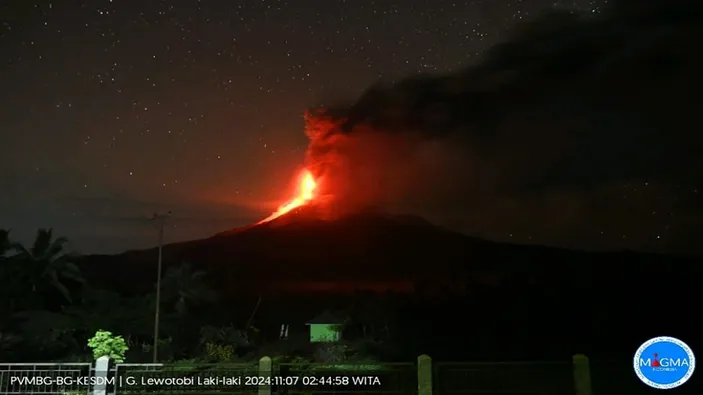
401 220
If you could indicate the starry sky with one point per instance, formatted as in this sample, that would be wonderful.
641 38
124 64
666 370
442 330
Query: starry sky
111 110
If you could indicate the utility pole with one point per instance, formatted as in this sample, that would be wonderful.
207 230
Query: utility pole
158 220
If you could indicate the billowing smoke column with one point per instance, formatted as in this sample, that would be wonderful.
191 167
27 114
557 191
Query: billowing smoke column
566 111
364 168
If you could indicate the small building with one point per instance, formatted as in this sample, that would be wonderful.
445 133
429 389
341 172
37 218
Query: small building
327 327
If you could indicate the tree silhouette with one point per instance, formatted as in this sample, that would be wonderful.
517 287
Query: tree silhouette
5 245
46 265
185 288
8 290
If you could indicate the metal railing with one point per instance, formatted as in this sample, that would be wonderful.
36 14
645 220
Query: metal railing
266 378
45 378
617 377
529 378
196 379
345 378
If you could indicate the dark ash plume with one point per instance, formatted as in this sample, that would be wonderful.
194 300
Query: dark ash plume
563 113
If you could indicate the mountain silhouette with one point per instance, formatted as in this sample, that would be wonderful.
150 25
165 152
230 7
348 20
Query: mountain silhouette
370 249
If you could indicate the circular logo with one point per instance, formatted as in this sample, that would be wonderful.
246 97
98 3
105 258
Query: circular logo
664 362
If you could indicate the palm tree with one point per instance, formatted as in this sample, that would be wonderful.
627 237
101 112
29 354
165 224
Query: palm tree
47 264
185 287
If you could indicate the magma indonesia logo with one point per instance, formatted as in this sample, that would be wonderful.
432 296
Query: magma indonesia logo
664 362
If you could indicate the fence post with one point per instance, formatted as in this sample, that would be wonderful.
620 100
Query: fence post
582 375
424 375
101 371
265 368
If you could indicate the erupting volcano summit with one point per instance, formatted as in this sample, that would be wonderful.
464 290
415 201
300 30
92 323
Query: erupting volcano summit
305 193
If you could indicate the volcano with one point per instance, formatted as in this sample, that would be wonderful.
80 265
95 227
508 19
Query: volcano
372 251
305 194
302 247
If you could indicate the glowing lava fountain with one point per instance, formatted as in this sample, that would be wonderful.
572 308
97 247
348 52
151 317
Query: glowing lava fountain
305 192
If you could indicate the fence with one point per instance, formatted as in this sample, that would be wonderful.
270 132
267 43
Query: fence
266 378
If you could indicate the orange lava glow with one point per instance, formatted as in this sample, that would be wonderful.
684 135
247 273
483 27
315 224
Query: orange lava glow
306 190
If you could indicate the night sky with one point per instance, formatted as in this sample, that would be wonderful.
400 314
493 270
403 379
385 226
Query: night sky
114 109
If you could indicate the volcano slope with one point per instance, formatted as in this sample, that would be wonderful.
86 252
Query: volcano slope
432 281
398 253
